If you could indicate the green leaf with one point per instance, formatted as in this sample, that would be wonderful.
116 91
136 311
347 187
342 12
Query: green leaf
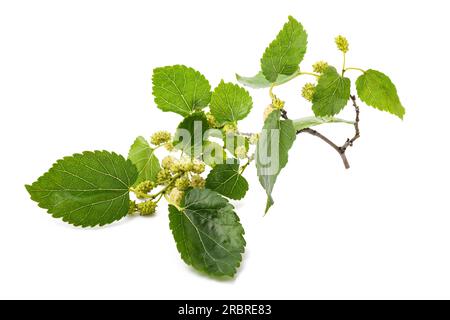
259 81
230 102
180 89
307 122
226 180
208 233
87 189
143 157
272 149
332 93
190 134
378 91
285 53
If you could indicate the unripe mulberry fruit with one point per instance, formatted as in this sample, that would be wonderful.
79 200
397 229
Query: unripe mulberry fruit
308 91
320 66
176 196
198 182
147 208
182 183
341 43
160 137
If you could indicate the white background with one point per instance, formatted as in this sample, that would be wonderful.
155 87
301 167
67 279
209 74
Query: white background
76 75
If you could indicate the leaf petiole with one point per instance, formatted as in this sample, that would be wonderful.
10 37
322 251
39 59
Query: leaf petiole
309 74
160 192
245 166
272 96
297 74
357 69
343 63
146 196
159 198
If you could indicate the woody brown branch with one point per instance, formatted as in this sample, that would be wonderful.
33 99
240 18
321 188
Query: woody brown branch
339 149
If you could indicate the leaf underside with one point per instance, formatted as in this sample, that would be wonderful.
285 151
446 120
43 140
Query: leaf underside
208 233
87 189
277 138
308 122
259 81
143 157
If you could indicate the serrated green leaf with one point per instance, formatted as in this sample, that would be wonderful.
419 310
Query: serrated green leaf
331 94
377 90
190 134
308 122
180 89
230 103
87 189
226 180
272 149
208 233
143 157
285 53
259 81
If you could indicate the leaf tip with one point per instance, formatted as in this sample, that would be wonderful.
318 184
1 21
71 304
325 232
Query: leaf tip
402 113
291 18
28 188
269 204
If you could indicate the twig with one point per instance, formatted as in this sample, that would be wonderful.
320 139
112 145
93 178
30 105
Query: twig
349 142
245 134
329 142
340 149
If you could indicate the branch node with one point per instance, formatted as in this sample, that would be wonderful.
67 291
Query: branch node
348 143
